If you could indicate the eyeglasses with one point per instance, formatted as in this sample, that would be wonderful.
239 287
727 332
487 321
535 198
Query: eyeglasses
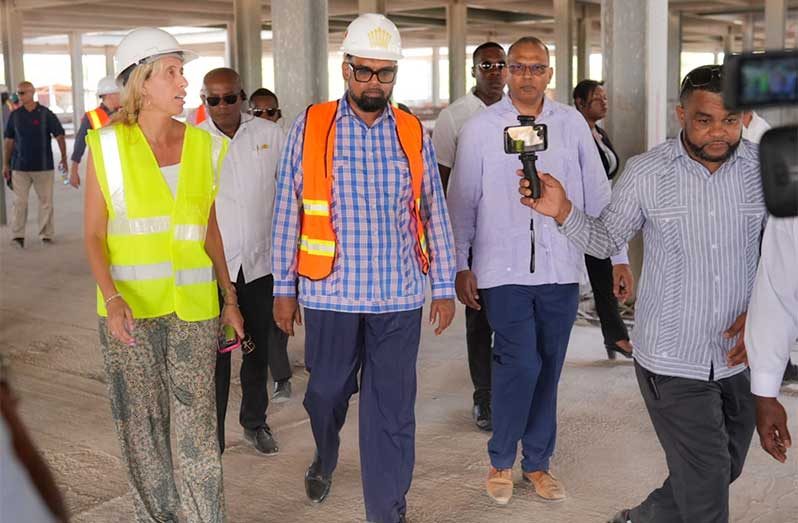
702 76
365 74
269 111
491 66
229 99
534 69
247 345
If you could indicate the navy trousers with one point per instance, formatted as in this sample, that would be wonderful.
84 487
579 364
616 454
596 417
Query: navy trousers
531 325
382 349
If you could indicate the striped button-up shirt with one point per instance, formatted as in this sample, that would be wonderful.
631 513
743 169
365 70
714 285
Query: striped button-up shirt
376 268
701 236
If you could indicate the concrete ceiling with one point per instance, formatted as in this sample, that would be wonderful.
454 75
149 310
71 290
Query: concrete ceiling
422 22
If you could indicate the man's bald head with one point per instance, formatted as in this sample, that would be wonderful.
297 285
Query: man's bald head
222 75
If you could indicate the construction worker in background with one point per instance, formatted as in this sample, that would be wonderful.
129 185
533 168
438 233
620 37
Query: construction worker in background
198 115
358 185
108 92
154 248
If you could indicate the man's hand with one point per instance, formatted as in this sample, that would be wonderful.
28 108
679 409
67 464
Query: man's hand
465 285
771 424
441 310
286 313
74 177
623 282
737 354
63 164
7 173
552 202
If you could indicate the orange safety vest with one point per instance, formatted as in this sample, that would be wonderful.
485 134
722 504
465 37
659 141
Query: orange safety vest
98 118
200 115
317 235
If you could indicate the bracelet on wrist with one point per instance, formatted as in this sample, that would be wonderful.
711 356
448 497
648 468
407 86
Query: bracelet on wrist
111 298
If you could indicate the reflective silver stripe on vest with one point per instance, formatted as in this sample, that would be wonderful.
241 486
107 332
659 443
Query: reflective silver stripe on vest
189 276
151 271
194 233
113 170
216 149
124 226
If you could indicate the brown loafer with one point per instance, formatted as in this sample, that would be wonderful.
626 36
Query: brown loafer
500 485
546 485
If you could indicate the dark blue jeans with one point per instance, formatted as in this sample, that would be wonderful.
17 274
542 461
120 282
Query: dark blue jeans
532 325
383 349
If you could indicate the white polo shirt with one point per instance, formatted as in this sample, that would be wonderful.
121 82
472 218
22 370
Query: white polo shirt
245 203
449 123
756 128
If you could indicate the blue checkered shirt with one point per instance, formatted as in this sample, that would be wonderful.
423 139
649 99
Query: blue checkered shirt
376 268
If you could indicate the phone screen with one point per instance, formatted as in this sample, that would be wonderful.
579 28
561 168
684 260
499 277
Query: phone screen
520 139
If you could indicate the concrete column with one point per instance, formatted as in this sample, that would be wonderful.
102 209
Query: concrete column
12 46
674 69
656 72
109 60
564 48
583 46
456 21
436 76
230 46
775 23
300 54
247 18
76 64
628 90
728 40
748 33
372 6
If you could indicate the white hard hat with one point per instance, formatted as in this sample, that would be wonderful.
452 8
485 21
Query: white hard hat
373 36
143 45
107 85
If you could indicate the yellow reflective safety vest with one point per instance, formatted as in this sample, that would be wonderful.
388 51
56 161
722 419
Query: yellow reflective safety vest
156 241
317 237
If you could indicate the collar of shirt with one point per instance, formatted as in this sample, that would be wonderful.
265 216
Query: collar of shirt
345 111
242 127
473 94
505 106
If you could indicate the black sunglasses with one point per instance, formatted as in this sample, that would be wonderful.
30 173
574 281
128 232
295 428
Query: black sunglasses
702 76
491 66
229 99
364 74
270 111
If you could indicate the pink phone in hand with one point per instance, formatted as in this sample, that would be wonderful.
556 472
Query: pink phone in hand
228 340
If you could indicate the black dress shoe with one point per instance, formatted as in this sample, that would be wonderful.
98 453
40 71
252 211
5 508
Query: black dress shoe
621 517
262 440
482 416
317 485
613 349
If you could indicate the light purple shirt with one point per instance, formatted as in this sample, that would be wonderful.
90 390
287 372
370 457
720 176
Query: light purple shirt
486 214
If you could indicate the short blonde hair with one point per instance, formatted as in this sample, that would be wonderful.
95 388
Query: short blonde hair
132 97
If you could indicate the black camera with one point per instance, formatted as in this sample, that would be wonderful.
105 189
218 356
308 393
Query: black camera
756 80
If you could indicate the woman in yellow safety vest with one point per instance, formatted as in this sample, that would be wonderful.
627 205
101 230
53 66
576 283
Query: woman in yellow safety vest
156 252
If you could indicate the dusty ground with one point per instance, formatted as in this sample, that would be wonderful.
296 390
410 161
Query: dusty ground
607 453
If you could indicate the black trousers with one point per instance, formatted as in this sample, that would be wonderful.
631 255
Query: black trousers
255 300
705 429
479 344
600 274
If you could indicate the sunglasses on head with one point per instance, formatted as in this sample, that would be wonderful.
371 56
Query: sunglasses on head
229 99
269 111
702 76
